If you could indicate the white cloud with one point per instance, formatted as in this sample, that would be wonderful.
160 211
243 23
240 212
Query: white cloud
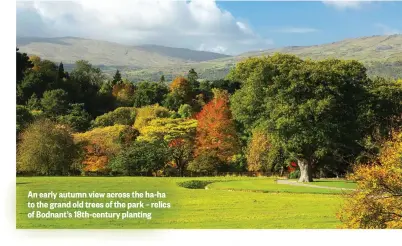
386 30
345 4
296 30
169 23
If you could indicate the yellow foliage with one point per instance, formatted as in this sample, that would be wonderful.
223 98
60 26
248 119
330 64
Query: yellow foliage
100 144
377 202
148 113
168 129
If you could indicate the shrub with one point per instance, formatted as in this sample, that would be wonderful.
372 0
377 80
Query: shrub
46 149
294 175
185 111
204 163
194 184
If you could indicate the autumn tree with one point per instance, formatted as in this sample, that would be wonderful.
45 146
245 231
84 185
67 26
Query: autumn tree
100 146
181 92
148 113
124 93
377 203
46 148
216 133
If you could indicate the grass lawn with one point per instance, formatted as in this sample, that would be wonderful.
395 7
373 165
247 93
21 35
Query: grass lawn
284 206
269 185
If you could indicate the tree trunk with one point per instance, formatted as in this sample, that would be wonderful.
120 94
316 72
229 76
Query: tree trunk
306 174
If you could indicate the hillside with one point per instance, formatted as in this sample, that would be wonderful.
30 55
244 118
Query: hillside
382 56
102 53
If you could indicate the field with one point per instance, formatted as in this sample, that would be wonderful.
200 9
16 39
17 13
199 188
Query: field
227 203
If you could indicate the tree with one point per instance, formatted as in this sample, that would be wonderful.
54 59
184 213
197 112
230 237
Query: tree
34 103
117 77
162 79
55 102
181 92
141 156
148 113
120 116
23 63
257 152
124 94
168 129
192 77
377 203
181 150
46 149
77 118
148 93
185 111
310 109
100 145
216 133
24 117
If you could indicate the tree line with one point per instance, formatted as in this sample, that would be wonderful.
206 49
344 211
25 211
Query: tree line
267 113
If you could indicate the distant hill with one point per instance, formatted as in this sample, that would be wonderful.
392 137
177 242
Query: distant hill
382 55
103 53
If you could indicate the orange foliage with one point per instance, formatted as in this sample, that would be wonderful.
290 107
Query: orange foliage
99 145
180 84
216 133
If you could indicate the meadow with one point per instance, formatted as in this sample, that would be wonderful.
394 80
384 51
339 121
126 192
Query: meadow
226 203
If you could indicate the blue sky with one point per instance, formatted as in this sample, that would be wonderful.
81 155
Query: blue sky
310 23
225 27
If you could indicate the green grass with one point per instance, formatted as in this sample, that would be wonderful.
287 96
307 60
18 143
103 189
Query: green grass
269 185
335 183
191 208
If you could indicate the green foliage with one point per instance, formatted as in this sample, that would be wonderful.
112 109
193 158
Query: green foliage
23 64
120 116
148 113
117 77
185 111
77 118
24 117
55 102
194 184
310 109
148 93
205 162
34 103
46 149
141 156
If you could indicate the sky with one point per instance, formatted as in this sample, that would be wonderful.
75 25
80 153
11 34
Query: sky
229 27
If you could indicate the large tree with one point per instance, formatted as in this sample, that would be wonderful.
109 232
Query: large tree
310 109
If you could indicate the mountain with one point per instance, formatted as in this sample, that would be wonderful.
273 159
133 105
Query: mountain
103 53
382 56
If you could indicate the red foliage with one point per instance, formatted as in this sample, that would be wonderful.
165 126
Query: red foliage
216 133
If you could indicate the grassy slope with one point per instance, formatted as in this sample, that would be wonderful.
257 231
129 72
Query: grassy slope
190 208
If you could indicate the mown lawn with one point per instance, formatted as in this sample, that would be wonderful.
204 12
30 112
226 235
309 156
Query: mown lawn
284 206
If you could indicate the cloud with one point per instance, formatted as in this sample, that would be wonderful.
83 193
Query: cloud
386 30
169 23
296 30
345 4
